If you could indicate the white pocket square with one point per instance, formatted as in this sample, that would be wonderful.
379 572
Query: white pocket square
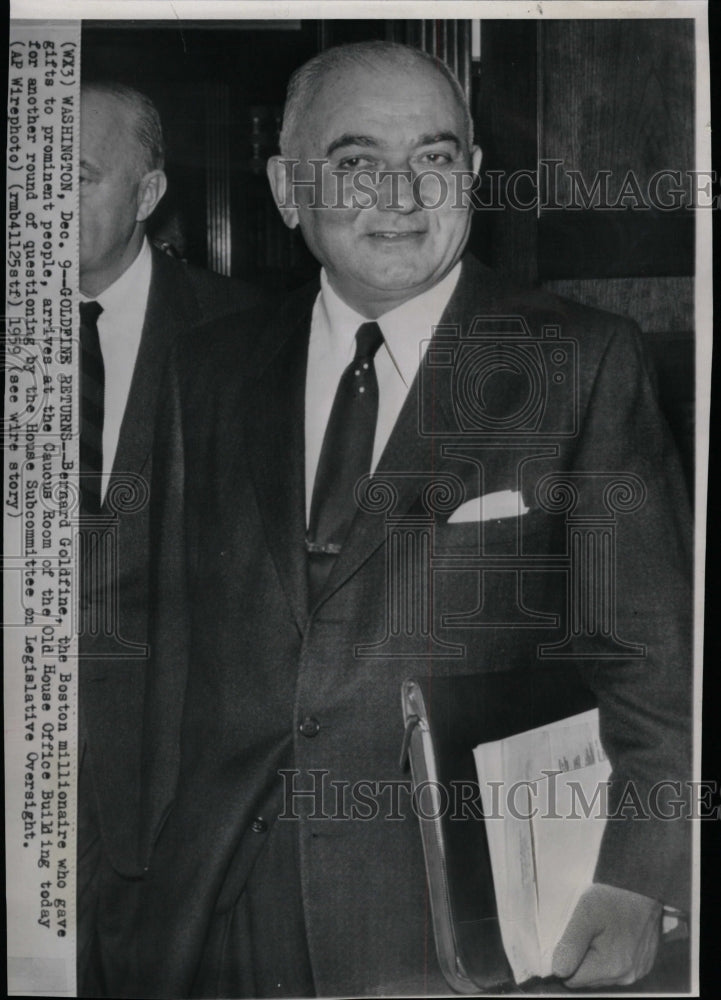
491 507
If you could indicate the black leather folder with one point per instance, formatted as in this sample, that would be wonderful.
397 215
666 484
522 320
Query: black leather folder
445 718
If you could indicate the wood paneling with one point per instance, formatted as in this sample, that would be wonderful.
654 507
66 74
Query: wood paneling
654 303
449 40
217 183
617 95
620 243
505 115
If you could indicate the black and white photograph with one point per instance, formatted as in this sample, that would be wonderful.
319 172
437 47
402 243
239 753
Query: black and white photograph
357 389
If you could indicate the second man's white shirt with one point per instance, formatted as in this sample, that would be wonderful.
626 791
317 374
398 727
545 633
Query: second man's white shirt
120 327
406 332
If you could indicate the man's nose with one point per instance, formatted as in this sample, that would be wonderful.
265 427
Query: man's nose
396 191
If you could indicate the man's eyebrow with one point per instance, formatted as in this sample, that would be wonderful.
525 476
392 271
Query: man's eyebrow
347 139
89 167
431 138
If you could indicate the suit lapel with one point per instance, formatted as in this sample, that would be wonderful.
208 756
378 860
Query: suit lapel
276 455
414 453
171 307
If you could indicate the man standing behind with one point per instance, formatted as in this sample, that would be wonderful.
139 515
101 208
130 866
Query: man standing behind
135 300
279 668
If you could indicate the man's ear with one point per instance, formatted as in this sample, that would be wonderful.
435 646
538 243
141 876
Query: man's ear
280 174
476 157
151 189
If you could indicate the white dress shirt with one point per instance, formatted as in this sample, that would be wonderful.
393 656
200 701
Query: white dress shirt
120 326
406 332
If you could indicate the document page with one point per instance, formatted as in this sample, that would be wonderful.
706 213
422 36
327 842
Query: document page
544 798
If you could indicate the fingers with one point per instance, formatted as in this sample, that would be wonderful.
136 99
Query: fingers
611 939
604 965
582 928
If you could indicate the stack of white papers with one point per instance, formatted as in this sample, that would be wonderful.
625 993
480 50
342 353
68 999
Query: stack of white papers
544 831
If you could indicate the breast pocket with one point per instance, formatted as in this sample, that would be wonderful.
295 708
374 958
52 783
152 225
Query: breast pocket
511 536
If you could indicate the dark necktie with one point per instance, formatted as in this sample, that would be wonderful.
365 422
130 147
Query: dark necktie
92 381
345 456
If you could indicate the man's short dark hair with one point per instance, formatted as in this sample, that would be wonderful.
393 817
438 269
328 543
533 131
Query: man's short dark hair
306 81
144 120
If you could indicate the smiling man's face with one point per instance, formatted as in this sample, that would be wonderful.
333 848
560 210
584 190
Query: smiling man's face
391 119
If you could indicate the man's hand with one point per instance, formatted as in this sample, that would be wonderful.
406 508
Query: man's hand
611 939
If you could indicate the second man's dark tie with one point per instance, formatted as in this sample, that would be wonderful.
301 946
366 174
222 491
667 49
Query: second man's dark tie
346 455
92 414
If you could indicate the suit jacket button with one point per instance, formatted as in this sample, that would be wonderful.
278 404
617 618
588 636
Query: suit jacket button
259 825
310 727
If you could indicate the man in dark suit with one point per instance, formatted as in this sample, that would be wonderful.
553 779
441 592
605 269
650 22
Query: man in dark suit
135 301
278 862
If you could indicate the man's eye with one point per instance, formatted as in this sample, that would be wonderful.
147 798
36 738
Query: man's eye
436 159
355 163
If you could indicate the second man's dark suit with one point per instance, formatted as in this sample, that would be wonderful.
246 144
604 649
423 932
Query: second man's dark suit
249 678
113 622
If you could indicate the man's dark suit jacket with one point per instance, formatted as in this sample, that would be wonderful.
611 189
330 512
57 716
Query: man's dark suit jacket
245 665
113 614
